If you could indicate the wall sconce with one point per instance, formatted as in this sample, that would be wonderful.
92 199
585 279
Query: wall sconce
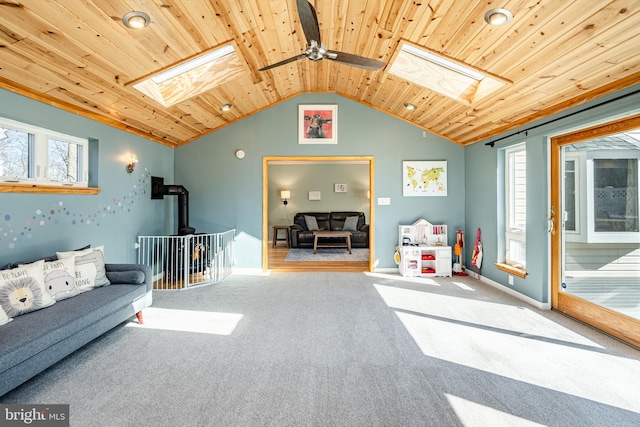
284 195
131 165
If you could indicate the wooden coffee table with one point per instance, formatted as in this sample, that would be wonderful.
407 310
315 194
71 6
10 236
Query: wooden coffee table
346 235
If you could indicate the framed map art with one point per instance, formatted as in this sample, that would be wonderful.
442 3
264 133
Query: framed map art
424 178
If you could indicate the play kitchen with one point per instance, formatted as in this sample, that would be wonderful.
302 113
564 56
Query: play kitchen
423 250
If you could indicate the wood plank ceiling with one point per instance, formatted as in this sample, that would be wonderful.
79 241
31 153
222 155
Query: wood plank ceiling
77 55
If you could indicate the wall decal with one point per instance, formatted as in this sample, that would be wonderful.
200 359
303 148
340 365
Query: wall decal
14 230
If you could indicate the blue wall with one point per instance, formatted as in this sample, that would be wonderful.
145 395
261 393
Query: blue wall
482 198
227 193
33 225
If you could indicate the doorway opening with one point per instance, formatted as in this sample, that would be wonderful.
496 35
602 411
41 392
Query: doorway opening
357 194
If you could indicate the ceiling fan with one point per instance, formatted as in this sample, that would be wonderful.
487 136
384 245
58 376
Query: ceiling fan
317 50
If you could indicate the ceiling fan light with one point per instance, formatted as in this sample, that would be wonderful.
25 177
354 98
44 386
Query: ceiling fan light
136 20
498 17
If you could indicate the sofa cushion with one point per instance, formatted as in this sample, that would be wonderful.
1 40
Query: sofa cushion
90 271
60 278
312 223
351 223
4 319
32 333
135 277
22 289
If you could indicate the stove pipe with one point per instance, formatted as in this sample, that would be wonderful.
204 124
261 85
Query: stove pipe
159 190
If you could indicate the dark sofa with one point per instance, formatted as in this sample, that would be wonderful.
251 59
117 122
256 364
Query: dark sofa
302 237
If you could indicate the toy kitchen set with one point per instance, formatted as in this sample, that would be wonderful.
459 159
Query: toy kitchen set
423 250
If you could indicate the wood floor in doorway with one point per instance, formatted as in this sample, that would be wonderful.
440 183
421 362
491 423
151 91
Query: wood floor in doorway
279 253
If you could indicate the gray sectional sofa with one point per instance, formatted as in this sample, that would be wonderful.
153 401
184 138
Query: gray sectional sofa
34 341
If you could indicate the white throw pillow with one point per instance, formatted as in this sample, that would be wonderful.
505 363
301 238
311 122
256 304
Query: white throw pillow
4 319
22 290
60 278
90 270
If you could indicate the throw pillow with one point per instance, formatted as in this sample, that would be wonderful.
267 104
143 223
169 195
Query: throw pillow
60 278
350 224
312 222
3 317
134 277
90 270
22 290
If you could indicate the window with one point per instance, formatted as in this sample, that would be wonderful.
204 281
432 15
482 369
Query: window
605 171
34 155
515 185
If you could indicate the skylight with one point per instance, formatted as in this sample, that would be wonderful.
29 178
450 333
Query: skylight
193 77
443 75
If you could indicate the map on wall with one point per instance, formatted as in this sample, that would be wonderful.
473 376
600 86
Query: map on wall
424 178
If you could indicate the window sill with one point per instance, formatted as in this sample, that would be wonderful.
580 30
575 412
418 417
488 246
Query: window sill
521 273
47 189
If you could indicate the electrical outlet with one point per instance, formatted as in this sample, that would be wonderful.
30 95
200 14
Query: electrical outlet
511 280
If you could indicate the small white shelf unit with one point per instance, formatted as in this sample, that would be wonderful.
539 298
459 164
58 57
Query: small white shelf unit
423 250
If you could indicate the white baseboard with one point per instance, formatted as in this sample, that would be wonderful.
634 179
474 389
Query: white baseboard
250 272
386 270
512 292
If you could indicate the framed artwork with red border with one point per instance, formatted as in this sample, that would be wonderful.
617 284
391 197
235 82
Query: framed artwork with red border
317 124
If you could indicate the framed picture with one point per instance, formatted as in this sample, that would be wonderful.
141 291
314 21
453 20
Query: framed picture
314 195
424 178
341 188
317 124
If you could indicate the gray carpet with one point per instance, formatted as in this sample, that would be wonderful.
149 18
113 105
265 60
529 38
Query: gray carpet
328 254
345 349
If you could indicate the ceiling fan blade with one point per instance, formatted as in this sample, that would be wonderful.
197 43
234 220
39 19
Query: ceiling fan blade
355 60
286 61
309 21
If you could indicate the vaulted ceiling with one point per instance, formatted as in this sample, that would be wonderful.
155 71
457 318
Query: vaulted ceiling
555 54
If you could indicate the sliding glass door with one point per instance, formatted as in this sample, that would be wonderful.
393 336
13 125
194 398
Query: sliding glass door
596 241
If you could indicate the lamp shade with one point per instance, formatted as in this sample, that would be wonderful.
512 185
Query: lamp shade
285 194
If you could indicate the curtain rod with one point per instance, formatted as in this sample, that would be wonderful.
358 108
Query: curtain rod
525 131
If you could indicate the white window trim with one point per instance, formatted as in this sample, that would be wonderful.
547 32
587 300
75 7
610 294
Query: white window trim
40 155
515 234
605 236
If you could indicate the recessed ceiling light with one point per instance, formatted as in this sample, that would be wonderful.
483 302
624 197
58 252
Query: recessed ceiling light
498 17
409 106
136 20
226 107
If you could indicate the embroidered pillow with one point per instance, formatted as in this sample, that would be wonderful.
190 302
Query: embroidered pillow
350 224
90 270
3 317
312 222
22 290
60 278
